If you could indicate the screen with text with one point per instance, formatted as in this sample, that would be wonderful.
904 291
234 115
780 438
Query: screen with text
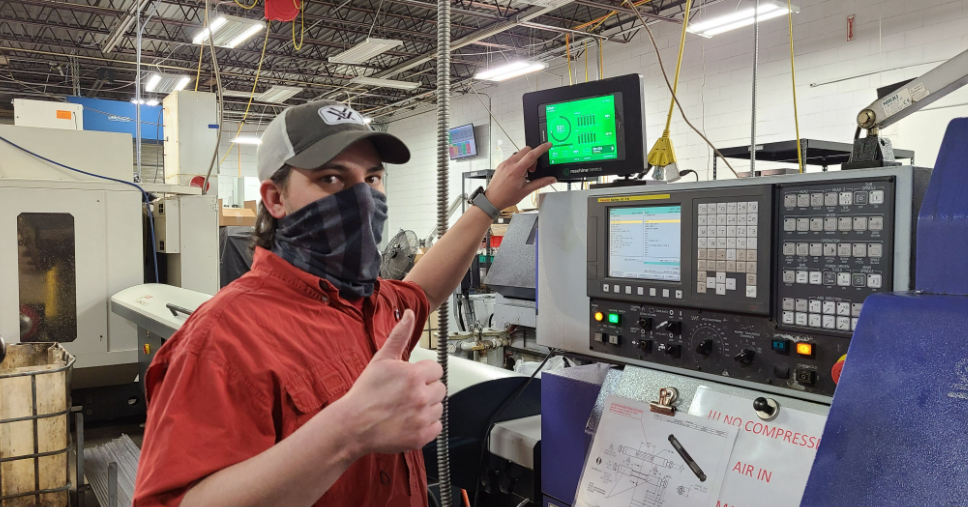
644 242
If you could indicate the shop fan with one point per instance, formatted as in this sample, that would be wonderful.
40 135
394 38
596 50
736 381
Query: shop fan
398 256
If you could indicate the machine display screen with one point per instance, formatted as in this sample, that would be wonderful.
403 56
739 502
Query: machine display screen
644 242
583 130
462 142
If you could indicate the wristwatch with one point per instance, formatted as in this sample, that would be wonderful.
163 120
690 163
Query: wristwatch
480 200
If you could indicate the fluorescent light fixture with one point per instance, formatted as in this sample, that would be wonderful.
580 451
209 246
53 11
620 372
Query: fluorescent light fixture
278 94
385 83
160 82
247 140
229 31
367 120
511 70
149 102
237 93
739 19
365 50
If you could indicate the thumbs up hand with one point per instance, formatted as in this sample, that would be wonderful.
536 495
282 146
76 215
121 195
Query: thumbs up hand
395 406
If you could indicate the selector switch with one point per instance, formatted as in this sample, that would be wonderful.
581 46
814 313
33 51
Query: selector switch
670 326
645 323
645 345
614 339
705 347
806 377
671 349
745 356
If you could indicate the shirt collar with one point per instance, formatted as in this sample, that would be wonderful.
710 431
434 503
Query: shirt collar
268 263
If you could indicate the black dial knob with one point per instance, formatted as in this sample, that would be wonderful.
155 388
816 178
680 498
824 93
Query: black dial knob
645 345
670 326
673 350
705 347
761 404
645 323
745 356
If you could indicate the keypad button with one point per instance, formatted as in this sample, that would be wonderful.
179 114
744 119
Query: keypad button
751 291
722 242
702 231
843 279
816 200
814 306
702 209
859 279
789 248
628 290
741 207
829 278
752 207
750 231
731 254
816 278
877 197
843 308
803 224
789 224
829 322
814 320
741 241
721 277
730 265
860 198
703 242
789 276
721 219
720 231
720 254
701 287
730 242
787 304
875 223
701 266
843 323
801 319
731 207
752 219
875 249
678 294
730 284
741 254
844 249
720 265
730 231
874 281
860 223
816 224
640 291
802 305
751 267
711 282
652 291
803 200
721 208
751 255
605 287
741 231
829 307
703 220
816 249
740 266
665 293
844 224
803 277
860 249
615 289
720 289
741 219
846 198
803 248
830 249
750 279
701 253
855 309
711 231
830 199
830 224
701 274
787 318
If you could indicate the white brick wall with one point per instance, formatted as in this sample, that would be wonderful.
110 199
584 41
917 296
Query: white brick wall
894 40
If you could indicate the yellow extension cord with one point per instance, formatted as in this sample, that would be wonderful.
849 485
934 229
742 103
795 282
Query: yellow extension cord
793 74
302 25
252 94
663 154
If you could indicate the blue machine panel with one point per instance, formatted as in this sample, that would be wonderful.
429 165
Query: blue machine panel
117 116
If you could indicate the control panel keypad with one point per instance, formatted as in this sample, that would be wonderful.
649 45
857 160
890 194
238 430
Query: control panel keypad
832 243
732 244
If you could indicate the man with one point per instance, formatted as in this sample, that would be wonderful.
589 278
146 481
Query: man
290 387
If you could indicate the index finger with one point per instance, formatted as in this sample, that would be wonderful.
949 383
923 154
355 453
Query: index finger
532 157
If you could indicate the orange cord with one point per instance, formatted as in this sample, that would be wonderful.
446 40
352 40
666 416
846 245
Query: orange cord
467 501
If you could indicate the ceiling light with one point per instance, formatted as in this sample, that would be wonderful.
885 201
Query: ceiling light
247 140
365 50
739 19
511 70
238 94
367 120
149 102
160 82
552 4
385 83
230 31
278 94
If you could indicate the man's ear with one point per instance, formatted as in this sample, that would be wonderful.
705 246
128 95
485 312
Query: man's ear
272 199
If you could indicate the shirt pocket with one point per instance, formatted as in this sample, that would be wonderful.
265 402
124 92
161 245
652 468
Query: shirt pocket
309 392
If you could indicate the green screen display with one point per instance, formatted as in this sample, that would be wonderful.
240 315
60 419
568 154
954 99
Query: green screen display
582 130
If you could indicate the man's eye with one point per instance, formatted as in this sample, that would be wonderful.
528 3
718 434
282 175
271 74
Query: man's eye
373 180
329 180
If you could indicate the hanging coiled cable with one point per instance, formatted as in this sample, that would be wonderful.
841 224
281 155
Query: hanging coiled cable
443 167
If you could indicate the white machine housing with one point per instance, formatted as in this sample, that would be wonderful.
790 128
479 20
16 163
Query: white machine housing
191 132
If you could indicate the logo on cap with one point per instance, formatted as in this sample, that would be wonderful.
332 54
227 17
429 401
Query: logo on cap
339 115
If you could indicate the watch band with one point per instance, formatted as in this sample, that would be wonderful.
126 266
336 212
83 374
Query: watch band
480 200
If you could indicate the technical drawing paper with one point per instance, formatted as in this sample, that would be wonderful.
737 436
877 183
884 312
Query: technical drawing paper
634 461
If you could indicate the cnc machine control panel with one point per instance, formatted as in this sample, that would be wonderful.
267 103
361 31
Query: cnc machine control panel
761 281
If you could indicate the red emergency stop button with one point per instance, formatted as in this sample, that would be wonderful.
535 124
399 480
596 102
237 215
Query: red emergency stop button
837 369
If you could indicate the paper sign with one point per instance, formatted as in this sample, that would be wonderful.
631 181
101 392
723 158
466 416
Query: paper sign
919 92
64 115
771 460
640 458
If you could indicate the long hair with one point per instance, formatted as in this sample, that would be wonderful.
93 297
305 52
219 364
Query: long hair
265 224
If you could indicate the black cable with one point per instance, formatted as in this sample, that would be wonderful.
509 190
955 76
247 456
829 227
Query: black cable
687 171
460 315
432 498
497 413
490 321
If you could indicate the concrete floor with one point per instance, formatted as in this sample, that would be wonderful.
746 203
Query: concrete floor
100 435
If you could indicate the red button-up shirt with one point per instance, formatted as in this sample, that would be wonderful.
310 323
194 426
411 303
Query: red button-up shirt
256 362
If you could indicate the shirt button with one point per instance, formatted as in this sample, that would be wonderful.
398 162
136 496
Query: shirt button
324 299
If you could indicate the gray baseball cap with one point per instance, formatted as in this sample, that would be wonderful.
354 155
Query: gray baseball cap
314 133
